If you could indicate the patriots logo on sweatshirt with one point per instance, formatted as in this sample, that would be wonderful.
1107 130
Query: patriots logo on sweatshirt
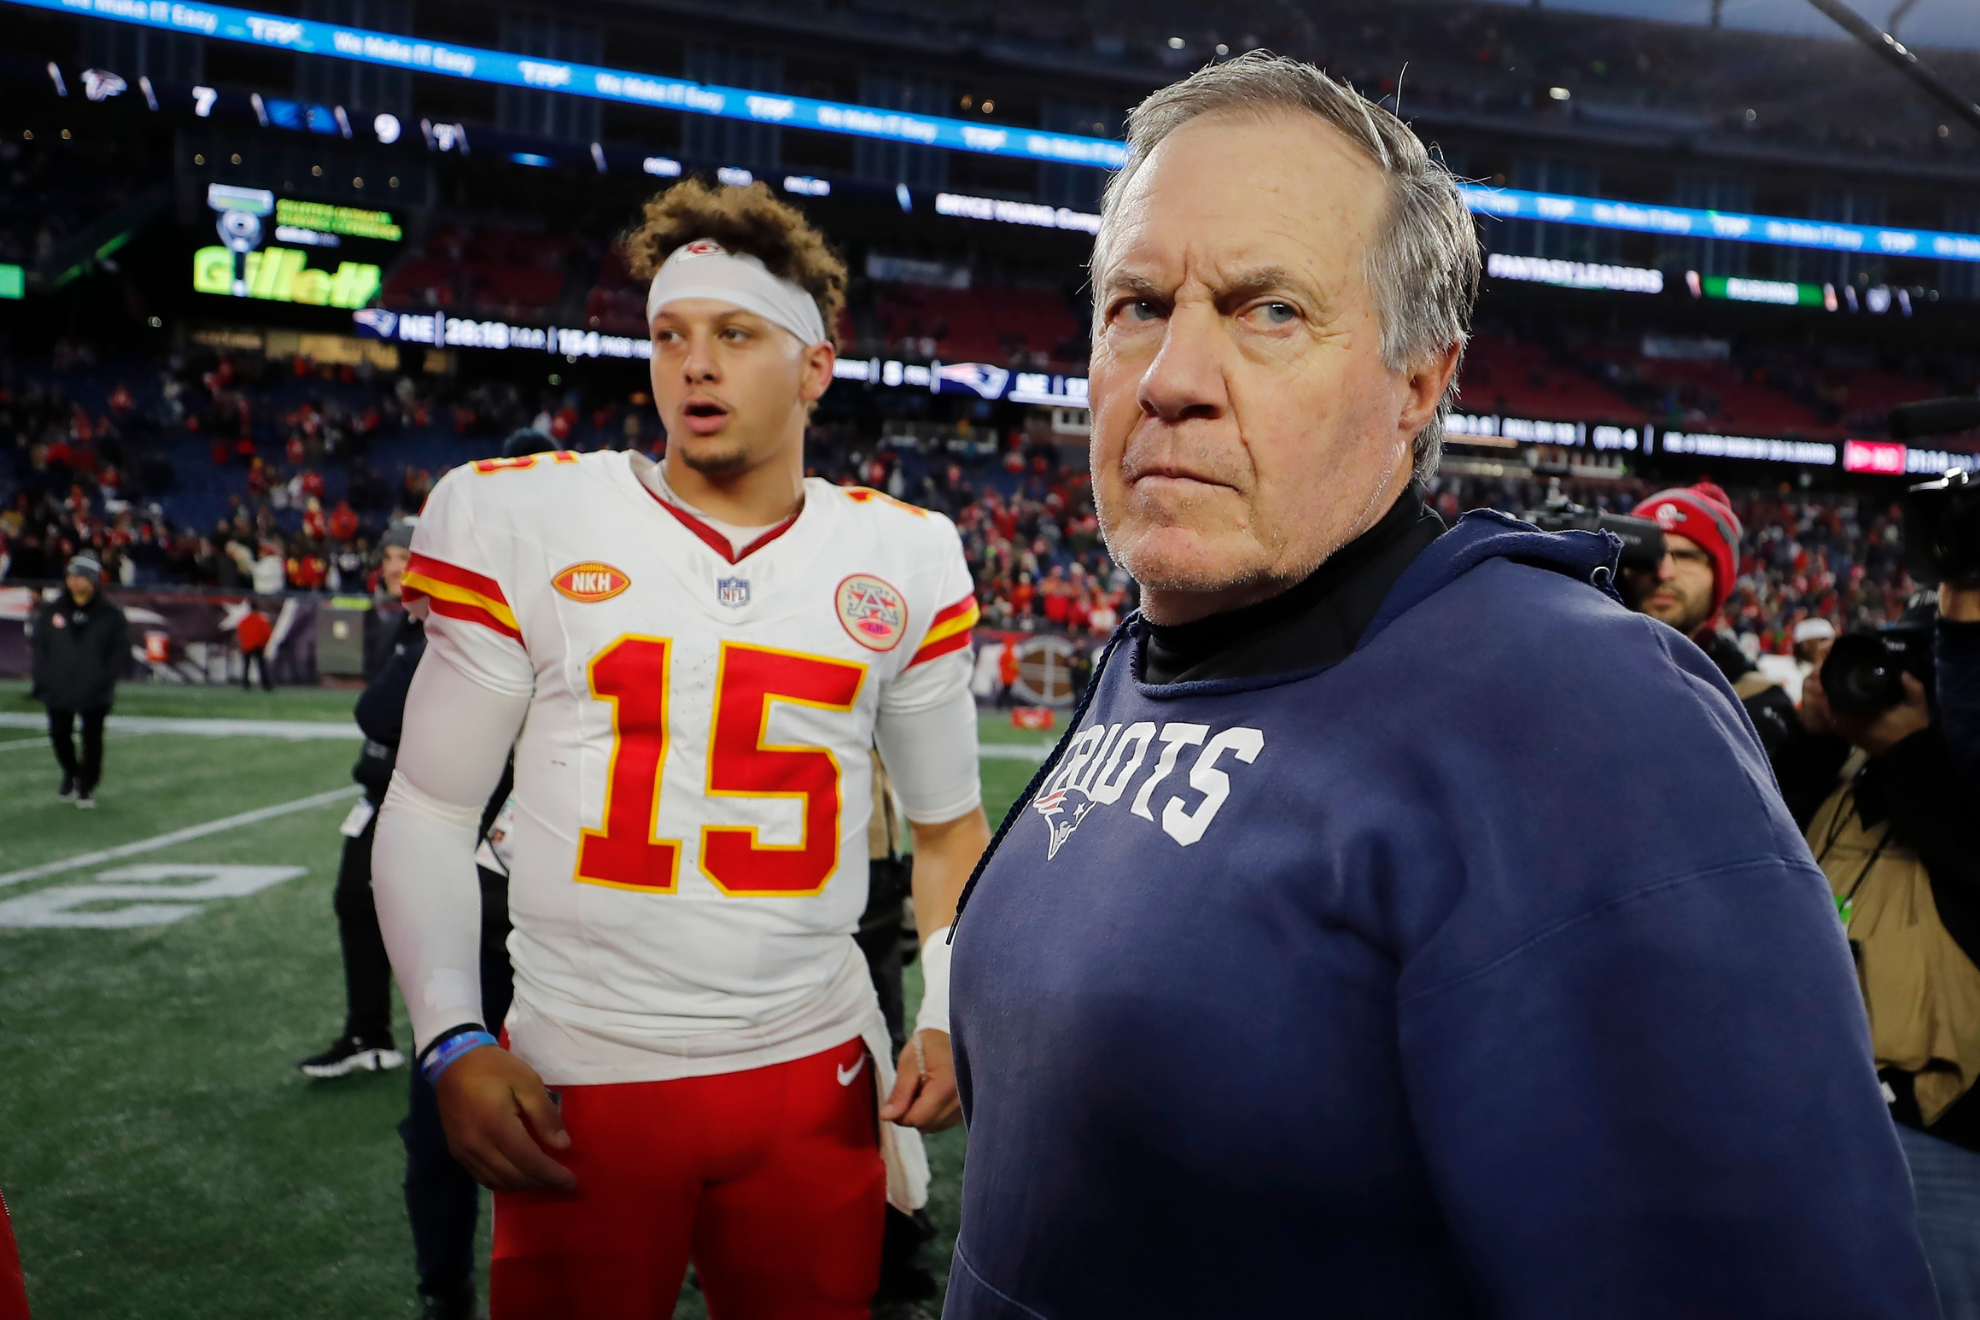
1053 804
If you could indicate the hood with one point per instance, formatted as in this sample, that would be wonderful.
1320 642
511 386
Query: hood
1487 534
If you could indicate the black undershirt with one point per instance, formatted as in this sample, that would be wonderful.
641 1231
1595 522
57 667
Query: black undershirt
1314 623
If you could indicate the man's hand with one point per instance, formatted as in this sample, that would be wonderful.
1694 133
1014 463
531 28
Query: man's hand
1877 734
924 1085
1816 717
499 1118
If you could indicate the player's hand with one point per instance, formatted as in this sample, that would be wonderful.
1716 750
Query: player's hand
499 1118
924 1085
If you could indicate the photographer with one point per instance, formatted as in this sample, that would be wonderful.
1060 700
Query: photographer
1891 825
1690 586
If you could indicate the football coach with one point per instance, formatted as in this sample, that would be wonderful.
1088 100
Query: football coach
1404 928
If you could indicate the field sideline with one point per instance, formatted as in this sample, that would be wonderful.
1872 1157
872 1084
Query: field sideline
162 1157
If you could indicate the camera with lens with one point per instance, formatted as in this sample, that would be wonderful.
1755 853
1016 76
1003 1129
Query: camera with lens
1642 540
1942 530
1863 674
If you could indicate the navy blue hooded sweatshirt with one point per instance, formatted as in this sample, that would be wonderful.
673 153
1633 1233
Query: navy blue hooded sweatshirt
1480 973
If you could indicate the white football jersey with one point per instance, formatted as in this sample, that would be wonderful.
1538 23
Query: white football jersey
693 779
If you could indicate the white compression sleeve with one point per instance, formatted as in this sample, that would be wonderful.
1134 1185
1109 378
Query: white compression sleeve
926 732
456 740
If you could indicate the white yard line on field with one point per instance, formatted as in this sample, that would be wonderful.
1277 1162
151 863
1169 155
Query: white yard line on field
166 840
304 730
287 729
337 730
1012 751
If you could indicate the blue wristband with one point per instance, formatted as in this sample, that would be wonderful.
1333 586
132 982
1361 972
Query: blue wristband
439 1056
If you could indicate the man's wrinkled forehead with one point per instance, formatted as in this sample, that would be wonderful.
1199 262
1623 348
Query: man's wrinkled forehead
1229 193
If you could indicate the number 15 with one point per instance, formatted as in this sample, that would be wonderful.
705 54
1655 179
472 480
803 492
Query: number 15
632 674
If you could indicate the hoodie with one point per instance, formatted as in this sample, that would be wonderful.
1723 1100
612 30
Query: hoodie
1479 972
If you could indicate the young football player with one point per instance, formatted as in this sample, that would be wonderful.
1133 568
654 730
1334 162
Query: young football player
699 655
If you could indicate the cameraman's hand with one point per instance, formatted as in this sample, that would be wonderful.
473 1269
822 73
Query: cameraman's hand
498 1119
1816 716
1877 734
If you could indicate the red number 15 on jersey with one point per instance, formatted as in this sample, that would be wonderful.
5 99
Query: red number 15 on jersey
632 674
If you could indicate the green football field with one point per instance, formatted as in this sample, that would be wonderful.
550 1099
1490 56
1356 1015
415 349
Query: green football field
161 1154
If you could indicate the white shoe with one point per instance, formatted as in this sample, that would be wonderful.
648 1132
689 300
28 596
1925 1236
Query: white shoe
86 802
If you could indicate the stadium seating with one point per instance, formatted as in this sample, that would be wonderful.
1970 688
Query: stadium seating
481 271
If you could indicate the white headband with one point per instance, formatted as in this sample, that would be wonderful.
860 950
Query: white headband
705 269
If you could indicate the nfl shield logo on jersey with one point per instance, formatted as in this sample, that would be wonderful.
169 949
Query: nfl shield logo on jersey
732 592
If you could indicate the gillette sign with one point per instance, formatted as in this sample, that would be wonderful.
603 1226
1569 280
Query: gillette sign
238 266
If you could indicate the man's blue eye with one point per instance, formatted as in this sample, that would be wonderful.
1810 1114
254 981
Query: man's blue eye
1142 309
1279 313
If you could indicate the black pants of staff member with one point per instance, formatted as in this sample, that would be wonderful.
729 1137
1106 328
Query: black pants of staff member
367 968
256 659
88 770
903 1276
442 1199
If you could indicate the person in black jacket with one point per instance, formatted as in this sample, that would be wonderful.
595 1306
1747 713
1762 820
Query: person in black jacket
393 648
81 643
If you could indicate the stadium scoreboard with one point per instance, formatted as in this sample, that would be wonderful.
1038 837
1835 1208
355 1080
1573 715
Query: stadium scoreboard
322 255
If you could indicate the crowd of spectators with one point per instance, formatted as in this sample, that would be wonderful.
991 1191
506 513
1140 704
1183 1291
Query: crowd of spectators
302 468
271 468
1834 555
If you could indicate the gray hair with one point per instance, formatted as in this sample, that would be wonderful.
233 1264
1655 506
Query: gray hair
1423 269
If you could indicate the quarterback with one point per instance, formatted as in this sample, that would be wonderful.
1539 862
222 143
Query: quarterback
694 661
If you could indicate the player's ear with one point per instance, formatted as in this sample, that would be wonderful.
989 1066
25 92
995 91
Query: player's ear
819 360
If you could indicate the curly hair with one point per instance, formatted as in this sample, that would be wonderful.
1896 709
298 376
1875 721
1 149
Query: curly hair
749 221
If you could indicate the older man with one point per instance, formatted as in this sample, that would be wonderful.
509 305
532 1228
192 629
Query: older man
1337 964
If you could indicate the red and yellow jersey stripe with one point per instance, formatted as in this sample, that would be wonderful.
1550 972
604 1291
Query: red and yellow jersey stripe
949 632
459 593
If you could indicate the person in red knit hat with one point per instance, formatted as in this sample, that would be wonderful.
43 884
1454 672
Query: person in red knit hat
1689 588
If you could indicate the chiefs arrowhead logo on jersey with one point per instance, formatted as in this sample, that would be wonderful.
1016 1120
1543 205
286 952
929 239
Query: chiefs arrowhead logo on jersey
705 247
590 583
872 611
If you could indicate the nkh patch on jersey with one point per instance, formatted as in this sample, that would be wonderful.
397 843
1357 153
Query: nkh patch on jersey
590 582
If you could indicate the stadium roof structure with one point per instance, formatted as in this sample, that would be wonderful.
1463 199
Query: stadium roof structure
1948 24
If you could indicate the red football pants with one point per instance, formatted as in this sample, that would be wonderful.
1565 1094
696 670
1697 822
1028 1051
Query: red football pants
770 1180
